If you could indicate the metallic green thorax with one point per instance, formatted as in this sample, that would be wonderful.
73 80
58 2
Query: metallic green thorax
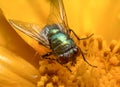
59 41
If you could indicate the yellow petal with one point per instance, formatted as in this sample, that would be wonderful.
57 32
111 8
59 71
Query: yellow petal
98 16
16 71
11 40
11 79
27 11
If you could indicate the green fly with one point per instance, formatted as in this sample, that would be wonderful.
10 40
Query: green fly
55 35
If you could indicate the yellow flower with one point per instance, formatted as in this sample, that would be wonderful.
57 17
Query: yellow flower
21 67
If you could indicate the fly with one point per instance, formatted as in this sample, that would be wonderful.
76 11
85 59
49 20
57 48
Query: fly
56 35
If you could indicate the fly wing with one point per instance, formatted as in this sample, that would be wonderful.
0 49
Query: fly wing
32 30
58 15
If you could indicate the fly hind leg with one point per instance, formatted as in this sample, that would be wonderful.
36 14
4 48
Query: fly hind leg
85 59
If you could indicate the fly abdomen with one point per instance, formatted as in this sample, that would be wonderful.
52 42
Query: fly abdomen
63 47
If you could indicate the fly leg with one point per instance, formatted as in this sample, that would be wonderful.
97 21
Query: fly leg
50 53
63 65
46 56
78 37
80 48
73 63
68 68
85 59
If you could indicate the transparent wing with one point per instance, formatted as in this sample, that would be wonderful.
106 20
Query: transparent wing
31 30
58 15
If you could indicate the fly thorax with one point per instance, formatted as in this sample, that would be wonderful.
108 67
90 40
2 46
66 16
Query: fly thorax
52 32
57 39
49 30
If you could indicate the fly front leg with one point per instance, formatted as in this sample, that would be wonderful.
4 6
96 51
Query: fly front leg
70 30
85 59
63 63
46 56
80 48
73 63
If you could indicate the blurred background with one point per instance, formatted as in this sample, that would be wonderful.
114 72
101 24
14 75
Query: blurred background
101 17
98 16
